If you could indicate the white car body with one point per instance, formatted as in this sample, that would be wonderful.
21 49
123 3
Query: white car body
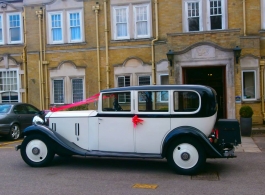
176 122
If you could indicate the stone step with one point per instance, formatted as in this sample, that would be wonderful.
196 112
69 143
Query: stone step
258 130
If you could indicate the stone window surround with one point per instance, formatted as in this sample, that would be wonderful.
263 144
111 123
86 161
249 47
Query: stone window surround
5 28
66 70
130 5
65 26
205 17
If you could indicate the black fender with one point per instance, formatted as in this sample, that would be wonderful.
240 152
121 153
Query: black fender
187 131
59 143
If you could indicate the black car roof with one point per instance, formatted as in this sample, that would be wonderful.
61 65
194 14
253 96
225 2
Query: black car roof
159 87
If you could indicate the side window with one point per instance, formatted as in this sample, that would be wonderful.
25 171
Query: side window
147 101
20 109
119 101
186 101
249 85
31 109
58 91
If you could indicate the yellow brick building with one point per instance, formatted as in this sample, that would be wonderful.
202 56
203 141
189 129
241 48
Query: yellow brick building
55 52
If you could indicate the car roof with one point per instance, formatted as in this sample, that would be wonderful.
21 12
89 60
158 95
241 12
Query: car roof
159 87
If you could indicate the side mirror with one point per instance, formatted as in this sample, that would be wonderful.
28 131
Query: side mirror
37 120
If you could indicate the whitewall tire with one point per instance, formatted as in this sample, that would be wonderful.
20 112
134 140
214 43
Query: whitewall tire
186 156
36 151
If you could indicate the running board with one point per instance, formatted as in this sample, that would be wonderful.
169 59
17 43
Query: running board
122 154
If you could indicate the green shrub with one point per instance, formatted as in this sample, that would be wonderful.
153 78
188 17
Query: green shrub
246 112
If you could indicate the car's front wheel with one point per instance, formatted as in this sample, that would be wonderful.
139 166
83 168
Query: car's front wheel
36 151
186 156
14 132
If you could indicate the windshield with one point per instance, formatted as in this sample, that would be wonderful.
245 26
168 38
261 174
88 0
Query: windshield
4 108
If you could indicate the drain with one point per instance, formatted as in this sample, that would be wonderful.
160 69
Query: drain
209 176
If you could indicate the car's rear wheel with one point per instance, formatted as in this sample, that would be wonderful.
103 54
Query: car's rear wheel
36 151
186 156
15 132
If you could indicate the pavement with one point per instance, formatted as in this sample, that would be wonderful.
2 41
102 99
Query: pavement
255 143
248 145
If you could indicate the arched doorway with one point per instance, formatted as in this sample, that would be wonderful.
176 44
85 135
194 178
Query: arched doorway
213 76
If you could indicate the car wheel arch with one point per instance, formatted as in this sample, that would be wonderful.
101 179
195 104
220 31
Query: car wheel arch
186 132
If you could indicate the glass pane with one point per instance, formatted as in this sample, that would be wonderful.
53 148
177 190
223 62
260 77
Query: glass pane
9 97
144 80
249 89
77 86
4 108
186 101
121 22
57 34
216 22
148 103
56 27
194 24
8 80
75 26
115 102
141 20
58 91
164 79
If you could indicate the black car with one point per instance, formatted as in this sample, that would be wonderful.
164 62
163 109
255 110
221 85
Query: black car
15 117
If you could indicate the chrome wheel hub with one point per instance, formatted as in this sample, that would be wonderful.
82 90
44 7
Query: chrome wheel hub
35 151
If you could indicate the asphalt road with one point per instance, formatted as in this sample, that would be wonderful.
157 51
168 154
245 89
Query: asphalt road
244 175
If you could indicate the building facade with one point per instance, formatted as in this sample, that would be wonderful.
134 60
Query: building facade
56 52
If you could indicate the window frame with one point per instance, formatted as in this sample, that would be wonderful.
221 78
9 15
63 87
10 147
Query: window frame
255 85
187 17
50 14
69 27
20 28
53 94
223 8
116 37
3 30
188 112
138 79
136 36
17 90
205 20
72 91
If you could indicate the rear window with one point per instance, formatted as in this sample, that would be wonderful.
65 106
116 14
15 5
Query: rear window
186 101
4 108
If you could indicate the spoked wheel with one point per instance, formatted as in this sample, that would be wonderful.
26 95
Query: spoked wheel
186 156
14 133
36 151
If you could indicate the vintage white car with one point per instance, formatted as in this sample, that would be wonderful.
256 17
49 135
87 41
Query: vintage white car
176 122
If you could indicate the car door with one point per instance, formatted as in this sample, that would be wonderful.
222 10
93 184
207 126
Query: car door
115 123
153 114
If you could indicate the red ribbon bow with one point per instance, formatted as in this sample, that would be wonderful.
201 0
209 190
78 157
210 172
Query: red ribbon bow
136 120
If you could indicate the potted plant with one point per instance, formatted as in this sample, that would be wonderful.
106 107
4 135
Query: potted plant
246 113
